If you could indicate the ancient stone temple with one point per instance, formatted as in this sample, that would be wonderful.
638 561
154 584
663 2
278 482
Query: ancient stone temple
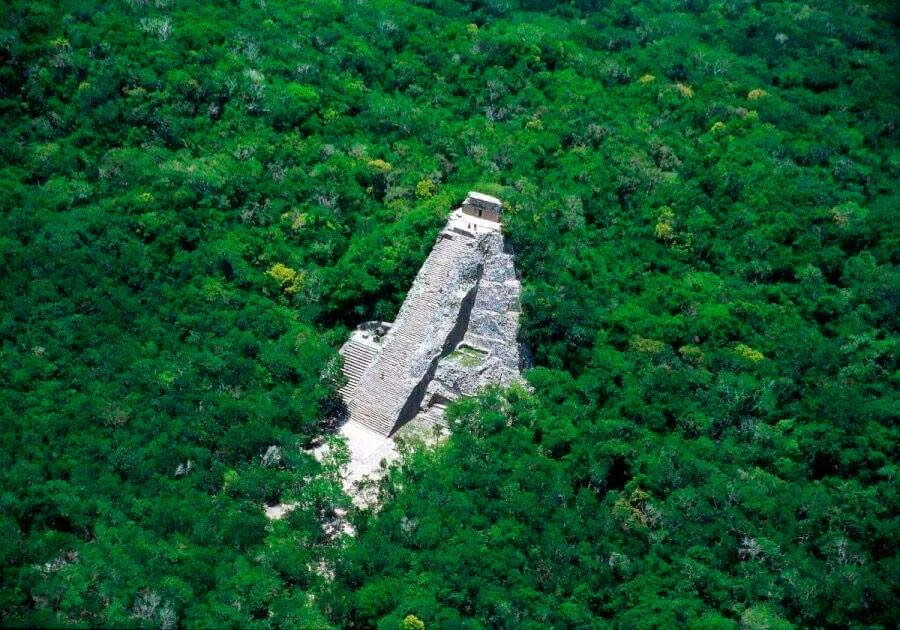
482 206
455 332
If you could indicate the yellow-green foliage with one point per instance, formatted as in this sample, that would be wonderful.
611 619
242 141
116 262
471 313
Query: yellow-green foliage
847 213
380 165
839 217
691 354
470 357
647 346
425 189
756 94
665 224
289 278
297 219
746 352
646 79
685 90
411 622
635 511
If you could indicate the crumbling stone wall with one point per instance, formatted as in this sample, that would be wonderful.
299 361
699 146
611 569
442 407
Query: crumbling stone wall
492 328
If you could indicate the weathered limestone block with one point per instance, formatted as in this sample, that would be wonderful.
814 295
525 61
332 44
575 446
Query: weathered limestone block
493 324
499 297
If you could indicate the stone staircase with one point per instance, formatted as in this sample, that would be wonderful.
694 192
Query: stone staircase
434 415
357 357
383 388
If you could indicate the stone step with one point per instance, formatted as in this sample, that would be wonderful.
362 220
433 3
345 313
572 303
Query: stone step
357 357
370 417
357 360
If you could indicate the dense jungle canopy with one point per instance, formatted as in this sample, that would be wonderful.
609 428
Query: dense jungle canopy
199 199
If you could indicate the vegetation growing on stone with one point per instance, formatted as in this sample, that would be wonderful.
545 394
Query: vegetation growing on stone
198 199
469 357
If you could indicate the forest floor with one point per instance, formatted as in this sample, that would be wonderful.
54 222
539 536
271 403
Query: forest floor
368 450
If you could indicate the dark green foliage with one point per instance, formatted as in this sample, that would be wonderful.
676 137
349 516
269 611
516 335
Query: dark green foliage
544 510
197 200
